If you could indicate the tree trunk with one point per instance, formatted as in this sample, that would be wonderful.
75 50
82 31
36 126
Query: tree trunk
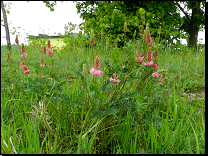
193 30
192 42
6 27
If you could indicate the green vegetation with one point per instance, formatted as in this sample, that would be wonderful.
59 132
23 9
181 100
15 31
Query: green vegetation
51 102
108 17
56 109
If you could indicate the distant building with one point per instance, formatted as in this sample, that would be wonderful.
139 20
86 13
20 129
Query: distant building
56 40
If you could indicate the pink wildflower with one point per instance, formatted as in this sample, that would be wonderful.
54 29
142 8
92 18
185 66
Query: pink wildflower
44 49
151 43
41 63
155 74
23 48
162 78
16 40
95 69
8 58
149 56
25 69
49 44
49 52
148 37
24 54
154 67
139 59
23 65
115 78
148 63
95 72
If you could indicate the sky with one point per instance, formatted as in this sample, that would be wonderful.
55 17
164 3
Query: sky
35 18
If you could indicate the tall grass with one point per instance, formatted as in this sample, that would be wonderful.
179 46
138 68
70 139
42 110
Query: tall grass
54 109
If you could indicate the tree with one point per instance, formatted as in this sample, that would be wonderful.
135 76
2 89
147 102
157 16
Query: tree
6 27
193 22
110 16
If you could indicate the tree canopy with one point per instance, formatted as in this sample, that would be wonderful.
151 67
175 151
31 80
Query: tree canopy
163 18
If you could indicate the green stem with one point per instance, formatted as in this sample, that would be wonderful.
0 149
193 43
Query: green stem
95 90
141 129
92 54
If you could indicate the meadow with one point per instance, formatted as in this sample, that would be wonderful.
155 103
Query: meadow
61 108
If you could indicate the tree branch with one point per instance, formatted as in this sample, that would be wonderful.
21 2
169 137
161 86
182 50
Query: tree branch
183 11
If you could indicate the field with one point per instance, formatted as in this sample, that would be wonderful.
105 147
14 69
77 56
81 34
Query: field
61 108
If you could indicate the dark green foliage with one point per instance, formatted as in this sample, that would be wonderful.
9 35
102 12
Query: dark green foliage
107 18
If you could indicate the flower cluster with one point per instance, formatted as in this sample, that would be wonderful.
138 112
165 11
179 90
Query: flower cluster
26 71
139 58
16 40
41 63
25 68
147 35
95 69
23 51
149 62
48 51
24 55
23 48
115 78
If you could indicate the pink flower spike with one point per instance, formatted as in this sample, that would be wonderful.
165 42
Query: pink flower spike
49 52
25 68
155 74
48 44
154 67
95 69
98 73
92 71
16 40
27 71
97 63
148 37
148 63
115 78
41 63
23 64
162 78
44 49
23 48
95 72
24 54
149 56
